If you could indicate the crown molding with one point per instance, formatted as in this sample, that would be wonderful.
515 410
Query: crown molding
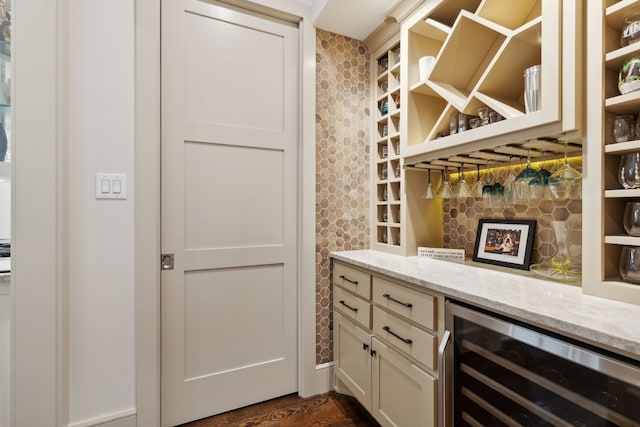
391 26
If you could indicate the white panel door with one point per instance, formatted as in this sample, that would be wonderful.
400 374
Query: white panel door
229 209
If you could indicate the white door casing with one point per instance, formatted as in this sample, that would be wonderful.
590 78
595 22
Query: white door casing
229 208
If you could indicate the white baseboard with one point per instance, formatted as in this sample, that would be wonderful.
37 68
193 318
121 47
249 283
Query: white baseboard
126 418
323 382
324 378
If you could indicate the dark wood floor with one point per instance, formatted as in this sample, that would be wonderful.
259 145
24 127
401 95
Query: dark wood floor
327 410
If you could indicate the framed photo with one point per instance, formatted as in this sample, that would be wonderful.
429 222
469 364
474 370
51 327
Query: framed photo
505 242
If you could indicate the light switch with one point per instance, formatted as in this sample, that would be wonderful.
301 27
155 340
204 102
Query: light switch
106 186
111 186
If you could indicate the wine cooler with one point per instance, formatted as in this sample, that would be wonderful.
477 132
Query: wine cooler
495 371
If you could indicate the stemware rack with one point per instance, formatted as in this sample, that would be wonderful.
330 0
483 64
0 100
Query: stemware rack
536 150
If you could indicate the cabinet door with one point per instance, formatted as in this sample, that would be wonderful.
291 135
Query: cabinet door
403 395
352 358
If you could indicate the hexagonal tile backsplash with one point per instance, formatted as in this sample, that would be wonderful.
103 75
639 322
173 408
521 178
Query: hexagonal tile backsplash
460 216
342 165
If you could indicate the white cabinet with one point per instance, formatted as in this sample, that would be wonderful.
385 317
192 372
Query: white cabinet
404 395
385 354
352 346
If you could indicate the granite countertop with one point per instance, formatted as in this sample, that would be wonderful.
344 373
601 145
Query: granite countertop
558 307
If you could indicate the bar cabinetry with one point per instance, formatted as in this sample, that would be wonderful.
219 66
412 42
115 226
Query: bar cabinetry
603 192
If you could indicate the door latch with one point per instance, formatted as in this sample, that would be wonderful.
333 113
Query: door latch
166 262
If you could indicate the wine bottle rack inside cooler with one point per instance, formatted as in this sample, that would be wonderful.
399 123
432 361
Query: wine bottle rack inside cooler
506 373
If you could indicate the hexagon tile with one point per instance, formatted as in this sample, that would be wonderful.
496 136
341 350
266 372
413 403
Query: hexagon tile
460 217
342 165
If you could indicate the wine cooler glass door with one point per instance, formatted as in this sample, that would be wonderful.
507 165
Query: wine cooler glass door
507 373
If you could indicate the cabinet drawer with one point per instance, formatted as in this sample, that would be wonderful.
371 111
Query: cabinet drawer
414 305
352 307
399 332
355 280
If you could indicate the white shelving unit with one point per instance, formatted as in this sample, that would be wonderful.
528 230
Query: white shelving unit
387 169
605 196
481 50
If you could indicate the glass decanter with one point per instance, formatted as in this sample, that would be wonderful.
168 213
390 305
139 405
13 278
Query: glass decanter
560 267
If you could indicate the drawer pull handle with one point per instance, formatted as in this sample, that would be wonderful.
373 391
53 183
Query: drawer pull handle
405 340
348 306
355 282
405 304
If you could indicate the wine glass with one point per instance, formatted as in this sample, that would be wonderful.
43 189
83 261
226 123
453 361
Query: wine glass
476 189
623 128
487 188
462 190
497 195
475 122
429 193
539 184
629 175
483 112
445 191
630 264
508 188
566 182
545 174
632 218
522 181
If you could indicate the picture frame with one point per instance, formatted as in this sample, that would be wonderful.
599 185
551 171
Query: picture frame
505 242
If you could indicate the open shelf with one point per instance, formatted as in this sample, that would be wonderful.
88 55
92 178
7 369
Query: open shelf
481 63
607 200
387 170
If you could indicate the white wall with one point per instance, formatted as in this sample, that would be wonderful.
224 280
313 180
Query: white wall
101 275
5 207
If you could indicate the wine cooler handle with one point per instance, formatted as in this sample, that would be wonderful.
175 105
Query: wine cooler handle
442 386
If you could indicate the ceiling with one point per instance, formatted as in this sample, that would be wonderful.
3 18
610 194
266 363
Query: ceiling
351 18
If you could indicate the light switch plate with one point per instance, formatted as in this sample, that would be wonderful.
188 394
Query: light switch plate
111 186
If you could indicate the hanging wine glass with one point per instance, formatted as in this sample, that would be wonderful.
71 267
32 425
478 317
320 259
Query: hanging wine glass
566 182
522 181
509 188
497 195
476 189
462 190
445 191
429 193
486 193
538 184
545 174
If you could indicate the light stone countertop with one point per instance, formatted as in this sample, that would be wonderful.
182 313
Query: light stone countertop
558 307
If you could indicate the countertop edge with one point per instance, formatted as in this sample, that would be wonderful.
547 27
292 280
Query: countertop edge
539 302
